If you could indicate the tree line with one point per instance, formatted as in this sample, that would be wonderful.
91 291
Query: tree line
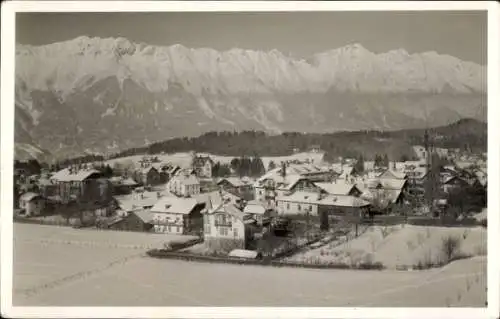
465 134
240 166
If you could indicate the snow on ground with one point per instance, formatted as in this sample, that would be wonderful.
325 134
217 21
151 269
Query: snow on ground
73 275
397 245
42 253
184 159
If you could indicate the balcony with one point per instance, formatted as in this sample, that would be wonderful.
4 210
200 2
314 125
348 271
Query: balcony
223 223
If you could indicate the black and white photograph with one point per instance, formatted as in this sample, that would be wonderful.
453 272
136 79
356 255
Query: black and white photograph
249 158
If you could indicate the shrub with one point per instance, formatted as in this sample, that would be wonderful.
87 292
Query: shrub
450 246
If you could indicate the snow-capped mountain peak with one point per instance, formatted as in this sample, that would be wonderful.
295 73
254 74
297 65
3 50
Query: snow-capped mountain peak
106 85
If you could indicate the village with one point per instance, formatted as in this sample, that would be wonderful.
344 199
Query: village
292 205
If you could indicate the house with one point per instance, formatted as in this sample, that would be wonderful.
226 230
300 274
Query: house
239 186
32 204
420 152
23 169
177 215
139 220
148 175
322 205
225 228
384 192
83 185
270 186
203 166
184 185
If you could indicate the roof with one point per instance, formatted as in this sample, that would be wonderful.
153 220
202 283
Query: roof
64 175
202 160
254 208
29 196
338 188
286 183
331 200
451 178
392 183
174 205
137 201
128 182
243 253
296 170
235 181
144 214
228 208
393 173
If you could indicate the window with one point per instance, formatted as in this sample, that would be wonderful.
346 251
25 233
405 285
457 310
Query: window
169 228
298 207
223 231
235 232
287 206
177 229
310 208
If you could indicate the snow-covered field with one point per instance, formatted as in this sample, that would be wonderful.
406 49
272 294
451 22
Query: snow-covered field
184 159
66 272
398 246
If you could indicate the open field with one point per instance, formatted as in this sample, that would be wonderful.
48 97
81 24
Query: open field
66 272
395 246
43 254
184 159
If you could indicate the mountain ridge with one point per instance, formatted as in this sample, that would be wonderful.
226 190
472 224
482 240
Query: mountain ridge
90 94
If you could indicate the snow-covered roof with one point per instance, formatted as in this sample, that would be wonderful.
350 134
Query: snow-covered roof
332 200
243 253
137 201
391 173
235 181
128 182
174 205
339 187
281 183
227 208
254 208
392 183
65 175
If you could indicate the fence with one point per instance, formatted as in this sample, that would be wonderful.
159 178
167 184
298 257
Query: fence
163 254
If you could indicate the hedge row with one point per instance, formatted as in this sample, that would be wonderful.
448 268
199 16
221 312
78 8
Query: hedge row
445 222
24 220
164 254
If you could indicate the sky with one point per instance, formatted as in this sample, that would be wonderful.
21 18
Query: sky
300 34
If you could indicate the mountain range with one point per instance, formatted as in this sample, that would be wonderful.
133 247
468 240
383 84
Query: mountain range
101 95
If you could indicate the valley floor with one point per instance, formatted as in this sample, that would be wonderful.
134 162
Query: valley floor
59 266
